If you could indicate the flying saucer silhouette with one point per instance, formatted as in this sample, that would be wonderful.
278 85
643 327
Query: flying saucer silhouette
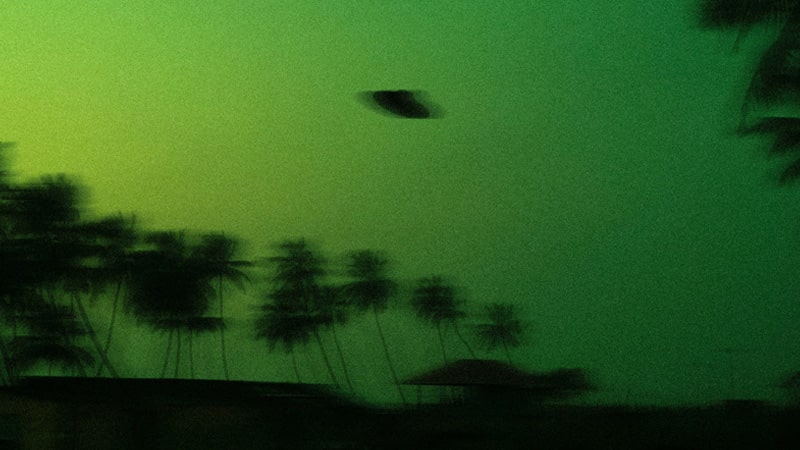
400 103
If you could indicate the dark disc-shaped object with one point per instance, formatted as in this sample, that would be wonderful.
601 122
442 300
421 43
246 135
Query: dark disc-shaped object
400 103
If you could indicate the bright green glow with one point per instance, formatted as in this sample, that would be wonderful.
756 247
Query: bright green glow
585 167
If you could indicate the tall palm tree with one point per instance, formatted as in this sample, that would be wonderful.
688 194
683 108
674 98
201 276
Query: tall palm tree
168 287
117 237
286 325
217 252
333 309
52 331
435 302
200 325
502 328
57 250
370 289
49 255
103 244
296 292
775 83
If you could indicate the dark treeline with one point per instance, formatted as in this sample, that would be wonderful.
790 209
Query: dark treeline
56 265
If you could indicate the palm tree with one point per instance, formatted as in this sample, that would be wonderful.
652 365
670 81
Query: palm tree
216 252
199 325
51 337
117 236
435 302
502 328
284 324
297 296
53 251
776 80
168 287
49 254
333 309
370 289
102 244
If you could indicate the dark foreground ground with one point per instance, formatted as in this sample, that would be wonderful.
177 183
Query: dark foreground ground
96 413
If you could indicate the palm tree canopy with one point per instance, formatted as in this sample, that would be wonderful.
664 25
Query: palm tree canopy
502 327
281 324
776 79
297 266
744 13
435 302
166 282
27 351
370 287
298 304
217 251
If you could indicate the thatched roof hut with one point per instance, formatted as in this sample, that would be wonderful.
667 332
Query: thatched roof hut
490 379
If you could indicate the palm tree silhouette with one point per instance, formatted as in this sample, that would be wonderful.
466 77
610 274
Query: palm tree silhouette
502 328
333 309
435 302
775 83
296 295
52 254
217 252
285 324
168 288
199 325
370 289
51 336
117 236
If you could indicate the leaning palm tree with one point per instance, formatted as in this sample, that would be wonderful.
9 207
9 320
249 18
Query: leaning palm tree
168 288
297 291
435 302
51 336
200 325
117 236
501 329
60 250
285 325
370 289
333 309
775 84
216 252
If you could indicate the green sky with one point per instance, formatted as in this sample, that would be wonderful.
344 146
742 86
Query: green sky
586 168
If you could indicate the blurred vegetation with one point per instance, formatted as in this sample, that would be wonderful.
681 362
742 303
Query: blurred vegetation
57 265
772 97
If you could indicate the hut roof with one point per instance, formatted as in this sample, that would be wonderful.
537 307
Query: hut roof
483 372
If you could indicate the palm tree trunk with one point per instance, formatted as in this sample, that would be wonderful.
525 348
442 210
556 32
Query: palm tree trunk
93 336
191 355
294 364
177 352
222 332
441 342
325 359
341 358
508 354
388 358
111 323
466 344
166 354
7 363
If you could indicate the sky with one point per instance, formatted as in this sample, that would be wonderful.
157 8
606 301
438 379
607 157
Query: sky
585 169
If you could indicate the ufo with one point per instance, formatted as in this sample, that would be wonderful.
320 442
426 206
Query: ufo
400 103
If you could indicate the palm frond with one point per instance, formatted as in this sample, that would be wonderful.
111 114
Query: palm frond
502 327
27 351
744 13
435 302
